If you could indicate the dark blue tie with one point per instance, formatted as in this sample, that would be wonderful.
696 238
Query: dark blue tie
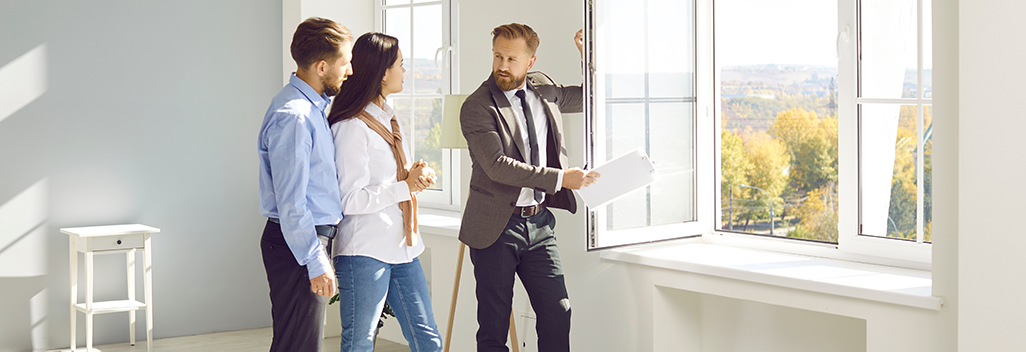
532 137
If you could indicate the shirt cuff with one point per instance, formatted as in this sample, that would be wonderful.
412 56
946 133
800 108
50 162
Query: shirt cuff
401 191
319 265
559 181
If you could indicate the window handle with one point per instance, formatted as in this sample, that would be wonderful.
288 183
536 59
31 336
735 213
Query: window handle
842 35
448 49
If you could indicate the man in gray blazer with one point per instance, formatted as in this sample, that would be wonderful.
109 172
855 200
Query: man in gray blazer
514 131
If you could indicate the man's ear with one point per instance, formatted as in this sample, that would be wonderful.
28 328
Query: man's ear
321 67
530 63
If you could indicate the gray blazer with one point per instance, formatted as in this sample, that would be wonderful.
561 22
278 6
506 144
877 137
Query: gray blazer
497 152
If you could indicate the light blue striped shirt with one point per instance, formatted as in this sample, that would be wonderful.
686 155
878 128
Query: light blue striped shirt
298 183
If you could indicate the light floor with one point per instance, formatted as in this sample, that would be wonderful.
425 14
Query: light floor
243 340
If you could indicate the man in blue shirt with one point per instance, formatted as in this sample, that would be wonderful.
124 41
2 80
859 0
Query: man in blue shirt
299 187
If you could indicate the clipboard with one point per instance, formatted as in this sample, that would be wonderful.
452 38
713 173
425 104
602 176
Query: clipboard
620 176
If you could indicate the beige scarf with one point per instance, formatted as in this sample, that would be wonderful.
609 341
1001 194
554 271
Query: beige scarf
395 140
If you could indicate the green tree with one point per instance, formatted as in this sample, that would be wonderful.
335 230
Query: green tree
734 169
812 146
769 161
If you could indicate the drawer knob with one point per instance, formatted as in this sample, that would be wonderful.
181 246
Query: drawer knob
119 242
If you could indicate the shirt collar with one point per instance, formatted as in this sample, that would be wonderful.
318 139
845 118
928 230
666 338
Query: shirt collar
510 94
383 114
319 100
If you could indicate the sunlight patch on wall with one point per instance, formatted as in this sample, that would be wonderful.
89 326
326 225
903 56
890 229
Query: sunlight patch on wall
38 314
22 81
23 249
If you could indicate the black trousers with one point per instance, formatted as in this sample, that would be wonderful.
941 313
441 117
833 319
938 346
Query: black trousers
296 312
527 248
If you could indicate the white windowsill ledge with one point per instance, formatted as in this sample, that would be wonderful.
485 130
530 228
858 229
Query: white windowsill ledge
878 283
439 222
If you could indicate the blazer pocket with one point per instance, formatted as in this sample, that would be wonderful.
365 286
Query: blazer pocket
479 190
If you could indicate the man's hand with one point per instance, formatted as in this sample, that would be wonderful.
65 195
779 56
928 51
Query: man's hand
576 178
323 285
579 40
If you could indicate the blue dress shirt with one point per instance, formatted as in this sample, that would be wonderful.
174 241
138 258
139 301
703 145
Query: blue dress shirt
298 183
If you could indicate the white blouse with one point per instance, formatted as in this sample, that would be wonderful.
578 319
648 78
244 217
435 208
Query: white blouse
372 225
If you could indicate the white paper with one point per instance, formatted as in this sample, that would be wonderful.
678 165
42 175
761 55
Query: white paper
619 177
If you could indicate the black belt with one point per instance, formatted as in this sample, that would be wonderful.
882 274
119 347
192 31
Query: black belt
530 210
328 231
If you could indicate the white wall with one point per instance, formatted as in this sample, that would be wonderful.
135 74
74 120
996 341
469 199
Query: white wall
991 265
148 113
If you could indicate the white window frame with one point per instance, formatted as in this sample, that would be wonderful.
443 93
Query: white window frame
449 197
599 238
851 246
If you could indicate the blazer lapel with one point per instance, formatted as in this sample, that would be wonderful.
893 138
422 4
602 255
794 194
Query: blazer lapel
508 116
555 121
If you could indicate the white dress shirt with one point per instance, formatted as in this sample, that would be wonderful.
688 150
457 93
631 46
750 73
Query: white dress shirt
373 222
541 128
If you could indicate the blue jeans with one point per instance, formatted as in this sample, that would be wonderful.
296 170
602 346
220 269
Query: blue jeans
365 284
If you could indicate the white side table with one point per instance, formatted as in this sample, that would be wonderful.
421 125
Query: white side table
109 240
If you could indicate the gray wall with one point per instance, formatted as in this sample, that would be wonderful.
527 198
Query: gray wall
149 115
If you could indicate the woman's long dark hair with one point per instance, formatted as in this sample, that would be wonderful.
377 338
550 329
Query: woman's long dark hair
373 54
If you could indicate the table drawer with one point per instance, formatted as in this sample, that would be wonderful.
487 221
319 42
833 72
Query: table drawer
108 243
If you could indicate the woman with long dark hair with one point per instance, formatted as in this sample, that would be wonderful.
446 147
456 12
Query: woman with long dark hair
375 253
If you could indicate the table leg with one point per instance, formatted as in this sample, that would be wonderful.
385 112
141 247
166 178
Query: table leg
89 300
148 287
130 260
73 273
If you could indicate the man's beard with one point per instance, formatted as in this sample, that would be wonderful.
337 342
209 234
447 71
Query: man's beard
331 89
511 83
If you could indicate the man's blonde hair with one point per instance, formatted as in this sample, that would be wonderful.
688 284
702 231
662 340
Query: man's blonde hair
517 31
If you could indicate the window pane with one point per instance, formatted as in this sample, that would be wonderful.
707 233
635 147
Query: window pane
675 157
625 131
670 67
888 49
889 176
397 24
427 39
928 174
620 40
396 2
777 69
927 49
427 132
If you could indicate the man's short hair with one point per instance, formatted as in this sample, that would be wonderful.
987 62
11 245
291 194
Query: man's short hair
318 39
515 31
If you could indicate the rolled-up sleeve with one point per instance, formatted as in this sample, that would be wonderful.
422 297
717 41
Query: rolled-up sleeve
289 141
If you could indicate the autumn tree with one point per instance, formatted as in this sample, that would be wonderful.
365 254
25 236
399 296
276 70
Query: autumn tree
769 160
734 169
811 144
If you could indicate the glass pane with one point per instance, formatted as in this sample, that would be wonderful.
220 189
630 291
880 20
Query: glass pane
397 24
889 49
928 174
427 39
620 39
427 130
927 49
625 131
671 125
777 69
670 67
396 2
889 176
420 1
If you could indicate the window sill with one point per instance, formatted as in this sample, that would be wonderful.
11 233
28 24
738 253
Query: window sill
439 222
906 287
